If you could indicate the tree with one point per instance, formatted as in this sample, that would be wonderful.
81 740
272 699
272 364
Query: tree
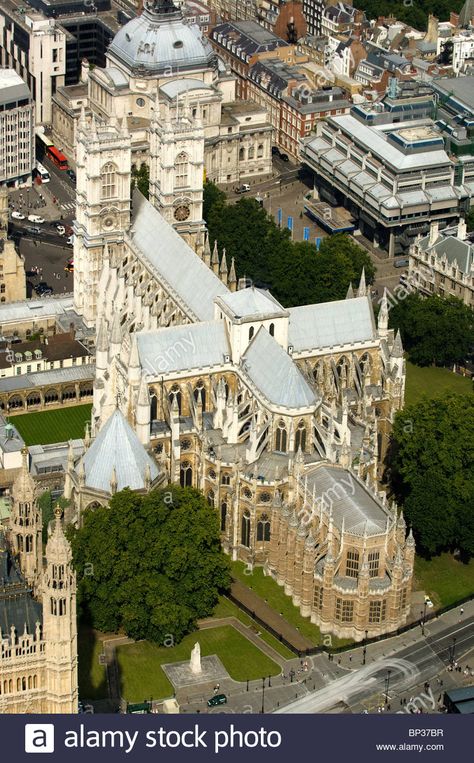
296 273
212 197
45 502
470 220
432 471
435 330
141 180
150 565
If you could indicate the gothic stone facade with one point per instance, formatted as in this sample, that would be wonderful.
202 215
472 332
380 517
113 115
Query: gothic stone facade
38 629
281 417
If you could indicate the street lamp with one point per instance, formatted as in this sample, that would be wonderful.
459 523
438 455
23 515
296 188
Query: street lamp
422 623
292 675
364 651
247 684
269 681
453 649
387 686
263 695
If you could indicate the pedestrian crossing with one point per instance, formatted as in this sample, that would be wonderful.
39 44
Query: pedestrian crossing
69 206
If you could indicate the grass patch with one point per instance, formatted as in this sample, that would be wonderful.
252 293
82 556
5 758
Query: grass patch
92 678
280 648
60 425
226 608
444 578
140 664
275 596
433 382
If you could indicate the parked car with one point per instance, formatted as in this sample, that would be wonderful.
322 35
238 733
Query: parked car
428 602
31 273
403 278
70 240
33 230
284 157
41 288
35 219
18 216
72 175
401 263
61 229
275 151
69 267
244 188
219 699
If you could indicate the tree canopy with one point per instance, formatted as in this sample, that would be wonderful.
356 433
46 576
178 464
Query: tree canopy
150 565
413 13
141 179
295 272
432 471
435 330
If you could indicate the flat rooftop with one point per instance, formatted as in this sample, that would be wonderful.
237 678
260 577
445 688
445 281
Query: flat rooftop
12 87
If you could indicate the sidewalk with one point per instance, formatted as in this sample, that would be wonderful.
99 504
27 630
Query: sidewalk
267 615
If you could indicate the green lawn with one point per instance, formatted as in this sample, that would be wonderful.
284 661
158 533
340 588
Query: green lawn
226 608
444 579
433 382
92 678
140 663
275 596
53 426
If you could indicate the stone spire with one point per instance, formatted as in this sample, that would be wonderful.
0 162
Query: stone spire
362 290
397 348
215 259
207 250
232 280
350 292
116 334
382 321
223 268
102 342
113 481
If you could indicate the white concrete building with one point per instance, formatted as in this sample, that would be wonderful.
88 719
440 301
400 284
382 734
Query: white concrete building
36 48
17 152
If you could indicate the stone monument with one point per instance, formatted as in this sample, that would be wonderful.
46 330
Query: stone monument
195 661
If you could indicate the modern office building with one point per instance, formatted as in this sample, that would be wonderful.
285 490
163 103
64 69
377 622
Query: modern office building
16 130
394 177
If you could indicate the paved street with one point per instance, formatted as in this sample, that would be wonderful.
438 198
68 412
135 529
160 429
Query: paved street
345 684
46 250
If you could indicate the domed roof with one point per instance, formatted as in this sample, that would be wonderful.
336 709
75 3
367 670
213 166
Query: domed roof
159 41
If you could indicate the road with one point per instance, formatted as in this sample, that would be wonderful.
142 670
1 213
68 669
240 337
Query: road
409 668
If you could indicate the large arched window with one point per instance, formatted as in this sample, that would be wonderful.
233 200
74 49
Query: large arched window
251 332
109 181
263 528
175 394
300 437
352 563
281 437
181 170
200 393
223 516
245 529
271 329
186 474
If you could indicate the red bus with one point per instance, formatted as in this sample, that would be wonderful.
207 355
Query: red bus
57 157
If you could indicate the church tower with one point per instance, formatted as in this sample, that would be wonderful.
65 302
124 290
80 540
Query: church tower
26 524
177 170
103 205
59 622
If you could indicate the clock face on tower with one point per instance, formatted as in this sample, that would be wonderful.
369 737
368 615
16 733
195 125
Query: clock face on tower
181 213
